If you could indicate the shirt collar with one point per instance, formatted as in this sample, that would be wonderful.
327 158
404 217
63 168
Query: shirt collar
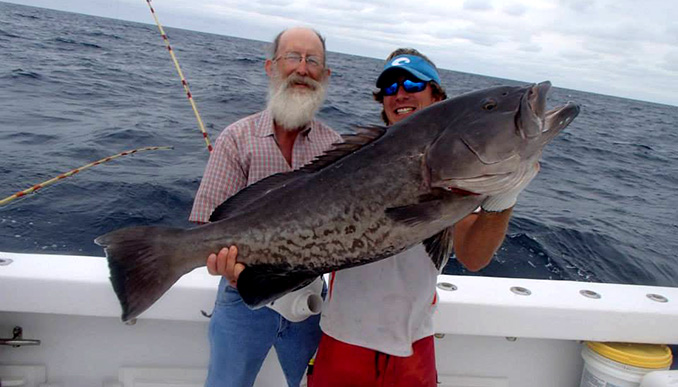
265 127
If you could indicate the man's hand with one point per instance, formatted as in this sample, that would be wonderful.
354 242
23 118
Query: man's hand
225 264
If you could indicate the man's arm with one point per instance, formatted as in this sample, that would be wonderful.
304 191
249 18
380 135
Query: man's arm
478 236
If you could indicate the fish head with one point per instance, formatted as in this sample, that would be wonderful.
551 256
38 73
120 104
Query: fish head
493 137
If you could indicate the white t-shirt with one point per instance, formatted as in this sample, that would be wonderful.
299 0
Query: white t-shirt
385 305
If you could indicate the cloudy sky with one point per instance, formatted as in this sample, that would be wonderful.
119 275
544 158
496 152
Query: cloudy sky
626 48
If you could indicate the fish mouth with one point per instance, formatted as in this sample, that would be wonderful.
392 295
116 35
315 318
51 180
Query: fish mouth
530 117
555 119
533 120
558 118
537 98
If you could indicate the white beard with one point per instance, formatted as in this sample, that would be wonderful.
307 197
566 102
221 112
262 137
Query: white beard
294 108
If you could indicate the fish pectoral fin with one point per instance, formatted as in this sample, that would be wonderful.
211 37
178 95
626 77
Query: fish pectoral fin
415 214
439 247
260 285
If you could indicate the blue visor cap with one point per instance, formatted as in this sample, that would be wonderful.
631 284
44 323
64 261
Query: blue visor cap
412 64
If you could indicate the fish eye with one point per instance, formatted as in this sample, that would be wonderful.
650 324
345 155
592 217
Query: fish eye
489 104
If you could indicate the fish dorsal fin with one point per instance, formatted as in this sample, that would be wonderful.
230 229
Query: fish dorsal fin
439 247
351 142
251 194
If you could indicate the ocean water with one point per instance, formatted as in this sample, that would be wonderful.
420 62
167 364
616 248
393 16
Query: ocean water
77 88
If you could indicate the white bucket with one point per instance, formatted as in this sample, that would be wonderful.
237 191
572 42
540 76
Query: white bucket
660 379
621 364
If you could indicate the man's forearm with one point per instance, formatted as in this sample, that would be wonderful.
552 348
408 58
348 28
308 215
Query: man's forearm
478 236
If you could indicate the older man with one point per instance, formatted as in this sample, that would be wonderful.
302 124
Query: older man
281 138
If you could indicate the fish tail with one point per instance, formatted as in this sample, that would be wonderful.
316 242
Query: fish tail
141 263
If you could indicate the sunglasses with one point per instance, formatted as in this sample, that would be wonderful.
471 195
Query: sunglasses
408 85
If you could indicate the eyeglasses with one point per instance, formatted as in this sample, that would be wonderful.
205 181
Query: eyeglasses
294 58
408 85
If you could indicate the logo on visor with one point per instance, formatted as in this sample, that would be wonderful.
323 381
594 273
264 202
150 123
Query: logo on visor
400 61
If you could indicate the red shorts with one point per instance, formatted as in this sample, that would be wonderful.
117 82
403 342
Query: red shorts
339 364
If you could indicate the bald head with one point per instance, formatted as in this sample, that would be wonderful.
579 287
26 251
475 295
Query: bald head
297 36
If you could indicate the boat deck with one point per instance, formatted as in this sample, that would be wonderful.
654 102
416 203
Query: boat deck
492 331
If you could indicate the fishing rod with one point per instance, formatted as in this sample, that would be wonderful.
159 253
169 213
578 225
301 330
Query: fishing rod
181 75
76 170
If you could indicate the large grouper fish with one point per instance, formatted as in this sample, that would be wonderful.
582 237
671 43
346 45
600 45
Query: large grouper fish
380 192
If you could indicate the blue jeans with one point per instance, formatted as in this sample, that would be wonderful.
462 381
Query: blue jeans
240 338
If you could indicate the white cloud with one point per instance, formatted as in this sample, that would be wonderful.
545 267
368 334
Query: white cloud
477 5
515 9
530 47
581 6
624 47
671 62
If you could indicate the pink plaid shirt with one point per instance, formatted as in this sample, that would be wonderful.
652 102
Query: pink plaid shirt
246 152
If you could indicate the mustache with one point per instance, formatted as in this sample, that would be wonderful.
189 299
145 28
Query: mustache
293 79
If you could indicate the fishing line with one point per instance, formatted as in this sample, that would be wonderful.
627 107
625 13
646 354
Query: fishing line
181 75
39 186
76 170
